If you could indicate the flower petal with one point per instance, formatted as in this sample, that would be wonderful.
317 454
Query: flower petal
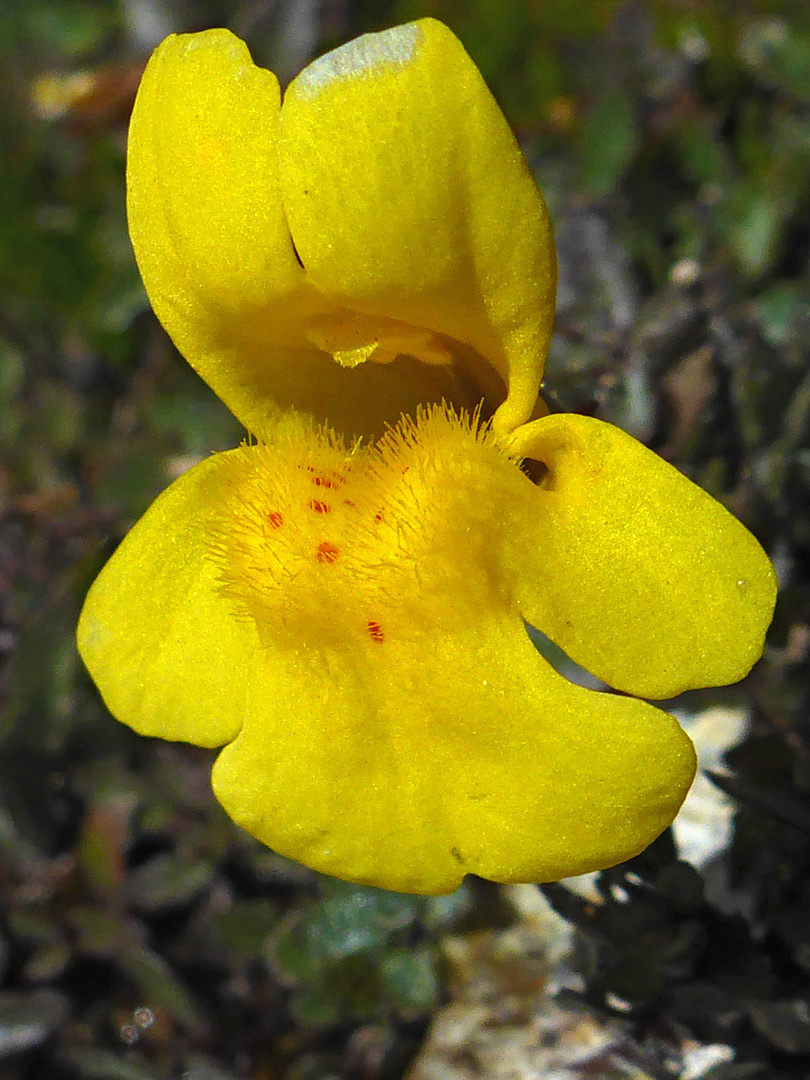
159 639
633 570
215 253
408 198
414 762
206 215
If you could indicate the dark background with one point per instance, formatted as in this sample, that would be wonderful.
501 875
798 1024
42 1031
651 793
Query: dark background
142 935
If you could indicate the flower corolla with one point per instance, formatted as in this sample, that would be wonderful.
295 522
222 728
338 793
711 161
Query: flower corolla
365 275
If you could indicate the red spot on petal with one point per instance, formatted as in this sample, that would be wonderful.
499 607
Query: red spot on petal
379 515
349 502
333 481
319 507
275 519
375 632
327 552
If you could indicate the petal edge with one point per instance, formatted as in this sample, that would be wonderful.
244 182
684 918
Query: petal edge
637 573
160 641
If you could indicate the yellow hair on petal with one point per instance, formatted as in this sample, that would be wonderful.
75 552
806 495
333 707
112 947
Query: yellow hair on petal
326 545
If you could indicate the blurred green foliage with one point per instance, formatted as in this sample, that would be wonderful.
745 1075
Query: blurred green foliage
141 934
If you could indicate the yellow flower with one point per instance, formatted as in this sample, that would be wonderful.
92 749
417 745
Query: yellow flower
342 608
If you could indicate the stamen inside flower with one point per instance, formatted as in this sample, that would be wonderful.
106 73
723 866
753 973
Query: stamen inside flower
326 546
353 338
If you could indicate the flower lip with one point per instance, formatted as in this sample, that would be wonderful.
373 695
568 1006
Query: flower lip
352 629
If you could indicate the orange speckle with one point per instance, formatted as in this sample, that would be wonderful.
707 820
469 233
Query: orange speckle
349 502
275 519
375 632
327 552
319 507
379 515
334 481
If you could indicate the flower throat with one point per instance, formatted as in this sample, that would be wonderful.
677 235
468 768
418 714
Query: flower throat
326 546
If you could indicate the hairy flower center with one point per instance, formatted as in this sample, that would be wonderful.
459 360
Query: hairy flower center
325 546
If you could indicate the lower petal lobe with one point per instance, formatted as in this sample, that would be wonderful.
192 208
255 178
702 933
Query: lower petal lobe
417 760
346 620
156 633
633 570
